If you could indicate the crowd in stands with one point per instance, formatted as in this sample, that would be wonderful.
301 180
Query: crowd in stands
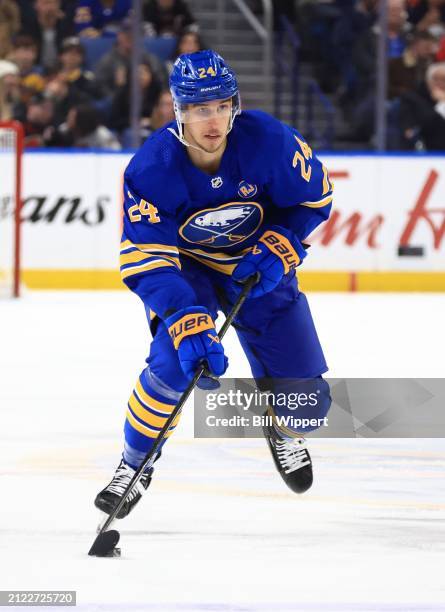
340 37
65 68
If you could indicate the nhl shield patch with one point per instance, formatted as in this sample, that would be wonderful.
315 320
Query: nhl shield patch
223 226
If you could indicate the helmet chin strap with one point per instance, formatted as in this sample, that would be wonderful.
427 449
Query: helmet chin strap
182 139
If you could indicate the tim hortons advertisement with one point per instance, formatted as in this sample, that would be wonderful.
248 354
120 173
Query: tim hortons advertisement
388 214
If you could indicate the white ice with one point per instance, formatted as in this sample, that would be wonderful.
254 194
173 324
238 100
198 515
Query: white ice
217 530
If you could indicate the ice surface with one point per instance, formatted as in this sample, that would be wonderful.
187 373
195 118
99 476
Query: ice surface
218 530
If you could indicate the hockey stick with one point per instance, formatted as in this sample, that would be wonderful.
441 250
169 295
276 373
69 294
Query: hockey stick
105 543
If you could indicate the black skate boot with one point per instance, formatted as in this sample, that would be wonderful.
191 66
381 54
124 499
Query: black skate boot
291 459
108 498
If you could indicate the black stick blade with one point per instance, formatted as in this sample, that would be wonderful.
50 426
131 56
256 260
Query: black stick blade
105 544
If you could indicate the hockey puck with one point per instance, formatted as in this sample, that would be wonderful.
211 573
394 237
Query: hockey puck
116 552
410 251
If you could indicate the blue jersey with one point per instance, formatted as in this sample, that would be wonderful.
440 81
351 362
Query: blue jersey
268 176
92 14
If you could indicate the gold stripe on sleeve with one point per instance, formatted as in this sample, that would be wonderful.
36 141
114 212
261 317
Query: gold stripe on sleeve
318 204
145 267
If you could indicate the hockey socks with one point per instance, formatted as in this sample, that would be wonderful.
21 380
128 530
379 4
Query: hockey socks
149 407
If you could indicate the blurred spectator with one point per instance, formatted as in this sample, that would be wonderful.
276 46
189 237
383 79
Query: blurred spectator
422 113
71 61
48 28
405 73
28 11
150 91
316 20
361 109
64 98
163 111
440 57
38 120
281 8
398 27
110 65
24 55
428 15
356 19
365 53
366 47
167 17
188 42
9 24
9 90
83 129
100 17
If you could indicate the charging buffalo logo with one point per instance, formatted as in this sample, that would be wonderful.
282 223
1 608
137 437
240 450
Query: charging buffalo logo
223 226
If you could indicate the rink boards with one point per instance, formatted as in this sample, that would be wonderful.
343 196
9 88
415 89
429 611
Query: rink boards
386 231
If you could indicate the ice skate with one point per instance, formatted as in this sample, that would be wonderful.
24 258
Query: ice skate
291 458
110 496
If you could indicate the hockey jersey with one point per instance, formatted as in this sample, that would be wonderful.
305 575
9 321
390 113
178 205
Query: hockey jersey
92 14
268 176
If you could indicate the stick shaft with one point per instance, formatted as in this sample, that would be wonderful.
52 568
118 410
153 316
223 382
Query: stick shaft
182 400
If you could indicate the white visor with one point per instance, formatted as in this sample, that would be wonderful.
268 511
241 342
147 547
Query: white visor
217 109
190 113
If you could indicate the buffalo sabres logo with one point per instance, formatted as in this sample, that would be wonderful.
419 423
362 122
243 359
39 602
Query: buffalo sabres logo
216 182
223 226
246 190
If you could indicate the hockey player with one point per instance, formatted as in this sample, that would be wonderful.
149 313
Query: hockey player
209 201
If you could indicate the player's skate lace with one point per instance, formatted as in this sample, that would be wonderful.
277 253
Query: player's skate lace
292 454
121 479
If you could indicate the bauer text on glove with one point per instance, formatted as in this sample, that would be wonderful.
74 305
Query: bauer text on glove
194 336
277 252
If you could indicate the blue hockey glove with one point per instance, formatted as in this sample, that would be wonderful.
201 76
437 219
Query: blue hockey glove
194 336
277 252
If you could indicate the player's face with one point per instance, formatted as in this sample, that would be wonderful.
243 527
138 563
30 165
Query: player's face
206 124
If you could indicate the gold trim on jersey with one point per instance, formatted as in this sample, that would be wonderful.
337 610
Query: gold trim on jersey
327 185
137 256
145 267
319 204
216 260
223 268
167 248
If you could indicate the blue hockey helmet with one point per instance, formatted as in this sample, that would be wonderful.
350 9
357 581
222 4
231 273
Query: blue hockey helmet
202 77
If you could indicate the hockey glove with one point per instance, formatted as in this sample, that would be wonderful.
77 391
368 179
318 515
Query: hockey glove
194 336
277 252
